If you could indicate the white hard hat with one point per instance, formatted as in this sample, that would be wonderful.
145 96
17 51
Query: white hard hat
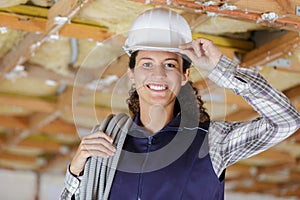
158 29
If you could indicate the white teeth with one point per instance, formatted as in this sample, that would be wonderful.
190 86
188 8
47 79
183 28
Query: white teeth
157 87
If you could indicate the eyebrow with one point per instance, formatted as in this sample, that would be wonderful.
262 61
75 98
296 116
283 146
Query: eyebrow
167 59
146 58
175 59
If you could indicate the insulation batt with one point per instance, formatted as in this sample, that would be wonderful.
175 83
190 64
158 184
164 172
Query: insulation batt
9 40
222 25
113 13
43 3
7 3
54 55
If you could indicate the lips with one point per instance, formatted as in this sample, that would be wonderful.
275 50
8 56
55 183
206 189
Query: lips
157 87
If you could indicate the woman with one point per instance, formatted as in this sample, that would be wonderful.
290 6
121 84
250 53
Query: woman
184 154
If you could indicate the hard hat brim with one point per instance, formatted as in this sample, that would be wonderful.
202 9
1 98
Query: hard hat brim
149 48
130 50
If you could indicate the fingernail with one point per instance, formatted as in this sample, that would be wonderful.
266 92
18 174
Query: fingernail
113 153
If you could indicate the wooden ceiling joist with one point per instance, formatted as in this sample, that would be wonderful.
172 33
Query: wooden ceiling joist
62 12
38 25
34 104
227 42
22 53
45 146
18 158
40 12
272 50
282 21
60 127
23 123
57 160
284 189
13 122
286 7
58 16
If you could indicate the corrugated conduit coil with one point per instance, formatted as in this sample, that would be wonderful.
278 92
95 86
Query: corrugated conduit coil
99 172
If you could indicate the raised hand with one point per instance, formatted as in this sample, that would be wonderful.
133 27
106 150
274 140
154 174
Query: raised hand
203 53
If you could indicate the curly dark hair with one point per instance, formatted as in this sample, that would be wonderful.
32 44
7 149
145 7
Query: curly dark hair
184 99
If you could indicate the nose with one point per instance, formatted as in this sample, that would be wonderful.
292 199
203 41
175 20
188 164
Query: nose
159 71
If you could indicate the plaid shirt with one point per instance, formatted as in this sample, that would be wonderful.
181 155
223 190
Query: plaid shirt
230 142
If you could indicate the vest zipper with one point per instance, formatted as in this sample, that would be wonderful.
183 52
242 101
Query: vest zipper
140 185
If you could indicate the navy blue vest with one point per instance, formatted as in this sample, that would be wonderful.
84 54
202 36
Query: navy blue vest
172 164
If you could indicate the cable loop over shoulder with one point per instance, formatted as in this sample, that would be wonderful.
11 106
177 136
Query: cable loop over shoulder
99 172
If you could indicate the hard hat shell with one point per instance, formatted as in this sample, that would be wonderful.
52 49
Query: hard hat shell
158 29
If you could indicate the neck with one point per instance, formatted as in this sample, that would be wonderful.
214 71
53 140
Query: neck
155 117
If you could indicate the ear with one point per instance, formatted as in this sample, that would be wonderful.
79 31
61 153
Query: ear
130 75
185 77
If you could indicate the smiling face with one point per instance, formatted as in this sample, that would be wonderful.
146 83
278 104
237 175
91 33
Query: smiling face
158 77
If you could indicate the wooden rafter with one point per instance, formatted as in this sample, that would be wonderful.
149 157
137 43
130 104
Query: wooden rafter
58 159
34 104
22 123
21 54
18 158
272 50
285 7
58 16
283 21
38 25
45 146
13 122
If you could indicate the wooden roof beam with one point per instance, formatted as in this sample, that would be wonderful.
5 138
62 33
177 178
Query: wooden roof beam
58 16
272 50
19 55
38 25
59 126
18 158
22 123
13 122
286 7
44 145
34 104
48 107
283 21
58 159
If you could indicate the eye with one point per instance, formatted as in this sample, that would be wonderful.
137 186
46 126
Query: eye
170 65
147 65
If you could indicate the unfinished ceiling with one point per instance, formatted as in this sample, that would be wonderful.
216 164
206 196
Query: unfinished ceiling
63 70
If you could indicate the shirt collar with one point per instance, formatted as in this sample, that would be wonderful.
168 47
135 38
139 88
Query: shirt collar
172 126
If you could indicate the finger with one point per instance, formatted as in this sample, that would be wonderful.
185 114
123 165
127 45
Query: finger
99 141
204 41
97 147
196 47
189 53
92 152
211 50
100 134
186 46
207 45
